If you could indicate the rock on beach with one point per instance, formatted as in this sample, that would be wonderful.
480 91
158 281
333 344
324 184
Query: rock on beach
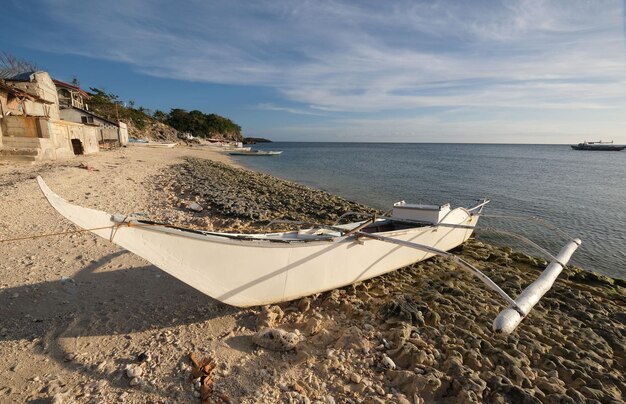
276 339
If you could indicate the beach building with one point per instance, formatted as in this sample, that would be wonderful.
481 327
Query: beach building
30 124
74 107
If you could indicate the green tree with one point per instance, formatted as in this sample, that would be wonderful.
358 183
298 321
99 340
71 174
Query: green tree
159 115
203 125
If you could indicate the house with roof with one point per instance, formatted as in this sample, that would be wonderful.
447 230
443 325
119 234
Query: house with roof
73 107
30 124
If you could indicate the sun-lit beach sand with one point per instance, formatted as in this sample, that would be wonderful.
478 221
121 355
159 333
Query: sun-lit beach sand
85 321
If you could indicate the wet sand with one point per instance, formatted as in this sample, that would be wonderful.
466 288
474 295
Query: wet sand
82 320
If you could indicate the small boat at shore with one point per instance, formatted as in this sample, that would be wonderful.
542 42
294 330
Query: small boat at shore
155 145
599 146
147 143
225 148
258 269
256 153
135 140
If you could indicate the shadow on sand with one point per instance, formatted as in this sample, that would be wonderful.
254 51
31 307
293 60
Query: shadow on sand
106 303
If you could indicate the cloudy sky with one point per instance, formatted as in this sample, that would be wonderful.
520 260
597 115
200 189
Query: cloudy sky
528 71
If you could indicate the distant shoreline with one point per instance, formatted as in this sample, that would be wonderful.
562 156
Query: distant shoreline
436 143
255 140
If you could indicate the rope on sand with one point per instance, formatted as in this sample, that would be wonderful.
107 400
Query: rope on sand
114 227
61 233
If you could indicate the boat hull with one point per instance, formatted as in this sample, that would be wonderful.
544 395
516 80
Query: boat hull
154 145
224 148
257 272
255 153
598 147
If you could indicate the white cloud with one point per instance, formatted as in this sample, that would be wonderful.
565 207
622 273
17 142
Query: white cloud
296 111
368 56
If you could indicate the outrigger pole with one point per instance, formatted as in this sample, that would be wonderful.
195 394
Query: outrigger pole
509 318
464 264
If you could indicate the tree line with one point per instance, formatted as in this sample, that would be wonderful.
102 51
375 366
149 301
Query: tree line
200 124
194 122
111 107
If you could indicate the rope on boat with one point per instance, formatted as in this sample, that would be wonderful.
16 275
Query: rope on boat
63 233
117 226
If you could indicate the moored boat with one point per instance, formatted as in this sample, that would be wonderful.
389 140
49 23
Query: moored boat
135 140
599 146
225 148
256 153
154 144
257 269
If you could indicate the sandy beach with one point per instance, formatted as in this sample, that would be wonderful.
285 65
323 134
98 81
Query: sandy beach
82 320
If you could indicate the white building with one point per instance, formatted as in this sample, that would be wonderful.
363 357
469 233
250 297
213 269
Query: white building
73 107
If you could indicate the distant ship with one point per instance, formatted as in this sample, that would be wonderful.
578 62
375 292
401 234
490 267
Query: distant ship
599 146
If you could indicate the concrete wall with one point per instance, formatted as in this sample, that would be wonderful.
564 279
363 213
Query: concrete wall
43 87
65 131
106 131
109 134
20 126
90 139
123 133
37 109
3 109
75 115
57 143
25 126
115 134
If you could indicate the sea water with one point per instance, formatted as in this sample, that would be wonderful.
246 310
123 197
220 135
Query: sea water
582 192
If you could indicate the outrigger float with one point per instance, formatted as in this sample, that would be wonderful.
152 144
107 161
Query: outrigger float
258 269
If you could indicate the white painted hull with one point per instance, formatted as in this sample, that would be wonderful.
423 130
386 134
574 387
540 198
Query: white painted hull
256 272
225 148
256 153
155 145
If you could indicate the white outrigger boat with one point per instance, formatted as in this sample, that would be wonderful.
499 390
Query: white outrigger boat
256 153
156 145
257 269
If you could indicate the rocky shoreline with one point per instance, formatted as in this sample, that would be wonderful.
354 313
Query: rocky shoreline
239 199
84 321
423 333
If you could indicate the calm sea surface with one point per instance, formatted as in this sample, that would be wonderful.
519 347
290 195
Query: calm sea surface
583 193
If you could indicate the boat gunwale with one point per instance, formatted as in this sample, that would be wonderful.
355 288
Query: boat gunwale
119 221
233 238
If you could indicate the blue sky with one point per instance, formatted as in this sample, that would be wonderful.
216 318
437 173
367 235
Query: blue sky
528 71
